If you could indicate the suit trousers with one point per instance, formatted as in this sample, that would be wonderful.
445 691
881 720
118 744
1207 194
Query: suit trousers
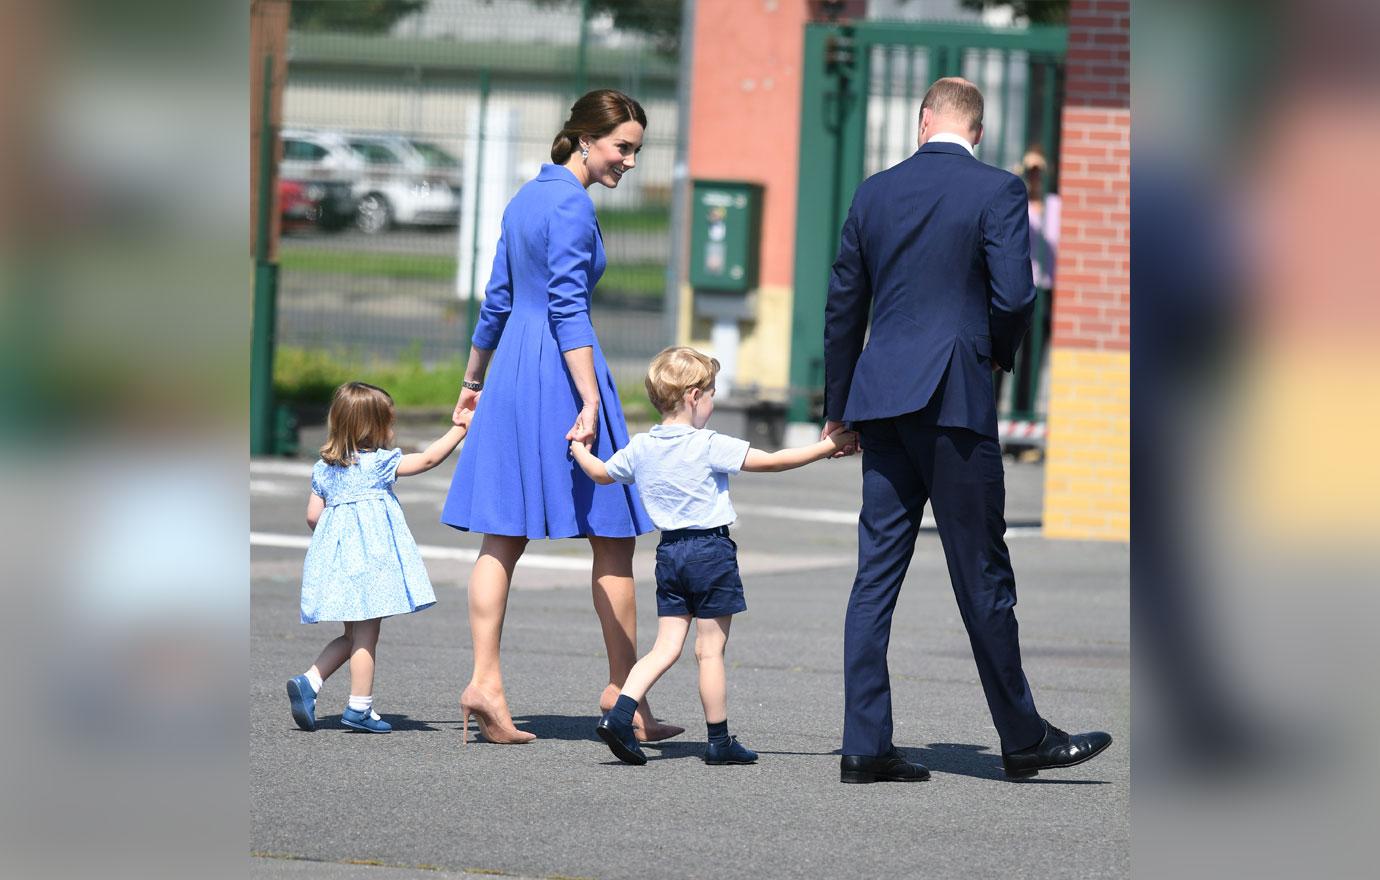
907 463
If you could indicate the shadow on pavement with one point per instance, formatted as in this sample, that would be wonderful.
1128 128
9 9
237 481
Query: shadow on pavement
567 727
964 759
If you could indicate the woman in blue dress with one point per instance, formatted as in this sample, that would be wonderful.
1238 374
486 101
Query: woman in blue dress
543 380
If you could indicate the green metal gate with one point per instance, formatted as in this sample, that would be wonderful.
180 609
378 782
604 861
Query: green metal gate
860 111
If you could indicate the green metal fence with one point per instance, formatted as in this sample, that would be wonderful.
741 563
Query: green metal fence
859 112
465 99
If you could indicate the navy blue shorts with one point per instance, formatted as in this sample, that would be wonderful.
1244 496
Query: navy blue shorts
697 574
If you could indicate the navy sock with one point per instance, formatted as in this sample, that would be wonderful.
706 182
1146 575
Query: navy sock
718 732
623 710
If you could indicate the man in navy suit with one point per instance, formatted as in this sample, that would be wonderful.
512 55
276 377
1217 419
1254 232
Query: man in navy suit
939 248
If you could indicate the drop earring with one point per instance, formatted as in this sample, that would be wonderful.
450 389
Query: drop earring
584 151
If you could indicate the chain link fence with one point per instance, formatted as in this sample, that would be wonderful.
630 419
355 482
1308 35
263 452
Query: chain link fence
401 148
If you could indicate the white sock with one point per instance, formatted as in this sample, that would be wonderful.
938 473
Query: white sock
315 678
364 704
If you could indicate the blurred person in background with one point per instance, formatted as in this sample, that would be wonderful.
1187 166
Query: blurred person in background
547 385
1045 215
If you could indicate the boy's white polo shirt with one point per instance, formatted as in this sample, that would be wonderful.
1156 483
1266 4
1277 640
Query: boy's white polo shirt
682 473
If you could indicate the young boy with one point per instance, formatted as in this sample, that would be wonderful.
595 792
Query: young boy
681 470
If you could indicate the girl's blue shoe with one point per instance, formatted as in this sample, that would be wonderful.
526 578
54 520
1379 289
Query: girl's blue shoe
302 699
731 752
365 721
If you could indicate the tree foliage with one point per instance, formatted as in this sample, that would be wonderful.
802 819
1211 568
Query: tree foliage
357 16
659 20
1035 11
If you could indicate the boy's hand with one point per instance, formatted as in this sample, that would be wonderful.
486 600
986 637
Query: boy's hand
461 417
576 447
845 441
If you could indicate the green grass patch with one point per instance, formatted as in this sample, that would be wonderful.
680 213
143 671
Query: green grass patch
651 218
625 279
425 266
305 375
634 279
309 376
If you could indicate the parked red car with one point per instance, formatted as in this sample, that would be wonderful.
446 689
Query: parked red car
317 203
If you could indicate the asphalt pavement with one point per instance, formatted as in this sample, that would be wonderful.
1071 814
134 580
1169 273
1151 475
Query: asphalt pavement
417 803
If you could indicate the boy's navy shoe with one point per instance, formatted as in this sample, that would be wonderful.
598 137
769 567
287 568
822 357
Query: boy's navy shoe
621 740
730 752
364 721
302 698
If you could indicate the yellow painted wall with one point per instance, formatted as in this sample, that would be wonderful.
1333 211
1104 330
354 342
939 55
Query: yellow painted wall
765 346
1088 465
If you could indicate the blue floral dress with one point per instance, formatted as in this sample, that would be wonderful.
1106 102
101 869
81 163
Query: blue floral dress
363 561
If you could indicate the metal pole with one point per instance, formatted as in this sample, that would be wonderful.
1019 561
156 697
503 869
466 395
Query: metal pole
261 405
581 53
680 179
472 307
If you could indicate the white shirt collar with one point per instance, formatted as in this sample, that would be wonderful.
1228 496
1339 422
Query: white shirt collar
945 137
671 430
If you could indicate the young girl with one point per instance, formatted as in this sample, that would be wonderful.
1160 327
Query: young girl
363 564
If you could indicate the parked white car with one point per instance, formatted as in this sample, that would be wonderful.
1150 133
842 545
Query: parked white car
318 155
327 168
401 185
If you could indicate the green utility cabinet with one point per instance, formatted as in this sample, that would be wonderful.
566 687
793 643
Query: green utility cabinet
725 235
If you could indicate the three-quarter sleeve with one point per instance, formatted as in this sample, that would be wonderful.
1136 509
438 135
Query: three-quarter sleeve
570 244
498 301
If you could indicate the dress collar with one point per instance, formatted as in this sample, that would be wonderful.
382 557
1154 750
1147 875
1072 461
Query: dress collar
558 172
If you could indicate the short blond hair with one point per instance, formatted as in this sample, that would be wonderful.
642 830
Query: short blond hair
956 98
674 372
361 417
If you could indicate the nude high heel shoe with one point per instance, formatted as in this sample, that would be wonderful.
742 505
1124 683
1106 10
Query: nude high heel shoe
493 723
658 731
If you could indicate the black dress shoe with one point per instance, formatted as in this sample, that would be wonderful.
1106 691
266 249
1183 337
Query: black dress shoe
1057 749
890 767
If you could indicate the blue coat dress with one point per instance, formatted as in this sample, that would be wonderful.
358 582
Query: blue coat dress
515 475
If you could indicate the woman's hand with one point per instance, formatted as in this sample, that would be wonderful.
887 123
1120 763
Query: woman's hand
586 426
468 400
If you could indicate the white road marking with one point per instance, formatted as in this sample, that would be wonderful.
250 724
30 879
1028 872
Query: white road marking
431 551
417 493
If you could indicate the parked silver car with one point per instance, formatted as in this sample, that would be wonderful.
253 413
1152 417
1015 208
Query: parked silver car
401 185
329 170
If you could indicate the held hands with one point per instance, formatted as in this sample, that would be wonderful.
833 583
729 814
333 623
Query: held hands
845 442
468 400
461 417
586 426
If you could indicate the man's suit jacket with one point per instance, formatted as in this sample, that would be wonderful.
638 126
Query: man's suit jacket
939 247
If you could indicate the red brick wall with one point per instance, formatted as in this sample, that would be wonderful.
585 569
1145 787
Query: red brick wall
1092 297
1099 55
1088 456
